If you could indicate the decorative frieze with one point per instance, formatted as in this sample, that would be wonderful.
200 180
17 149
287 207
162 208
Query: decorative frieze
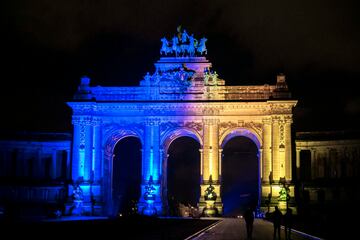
210 111
166 126
257 127
282 108
194 125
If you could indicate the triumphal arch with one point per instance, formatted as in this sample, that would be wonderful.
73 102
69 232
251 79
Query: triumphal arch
182 97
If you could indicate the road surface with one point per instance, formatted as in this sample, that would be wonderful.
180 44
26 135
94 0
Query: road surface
234 228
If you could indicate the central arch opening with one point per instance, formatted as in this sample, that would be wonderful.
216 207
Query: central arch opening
240 175
183 174
126 175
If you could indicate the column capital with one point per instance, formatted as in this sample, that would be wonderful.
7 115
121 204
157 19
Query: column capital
267 120
96 121
276 119
86 120
152 121
288 119
312 149
213 121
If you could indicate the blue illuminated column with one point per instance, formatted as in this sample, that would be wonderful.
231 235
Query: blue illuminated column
88 150
97 151
82 159
96 166
150 205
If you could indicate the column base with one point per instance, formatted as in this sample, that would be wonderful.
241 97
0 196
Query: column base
150 208
210 208
90 202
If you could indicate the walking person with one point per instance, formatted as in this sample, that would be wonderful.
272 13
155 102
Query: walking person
288 218
249 220
277 216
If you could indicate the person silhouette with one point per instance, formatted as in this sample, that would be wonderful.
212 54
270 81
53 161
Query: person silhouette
288 218
249 220
277 216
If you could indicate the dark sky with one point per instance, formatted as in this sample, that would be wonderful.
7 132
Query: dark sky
46 46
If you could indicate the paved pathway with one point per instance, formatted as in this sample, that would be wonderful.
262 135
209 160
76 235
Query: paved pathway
234 228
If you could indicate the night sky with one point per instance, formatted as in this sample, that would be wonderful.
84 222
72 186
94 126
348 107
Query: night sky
46 46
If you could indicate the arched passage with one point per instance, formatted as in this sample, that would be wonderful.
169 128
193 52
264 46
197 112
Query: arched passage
126 176
183 173
240 174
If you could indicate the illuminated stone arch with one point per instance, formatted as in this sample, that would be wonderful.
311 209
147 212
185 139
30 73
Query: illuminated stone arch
110 141
174 133
170 136
240 132
254 137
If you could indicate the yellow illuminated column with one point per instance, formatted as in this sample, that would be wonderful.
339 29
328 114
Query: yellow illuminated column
210 164
288 162
214 157
205 152
313 167
298 163
201 163
210 150
220 162
267 156
275 149
261 167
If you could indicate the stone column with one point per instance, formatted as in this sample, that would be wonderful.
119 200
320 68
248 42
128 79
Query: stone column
163 176
96 168
261 163
288 158
210 149
151 150
313 164
88 149
39 173
267 143
151 169
54 167
298 163
220 163
327 164
210 162
97 150
201 164
275 149
78 148
68 165
82 161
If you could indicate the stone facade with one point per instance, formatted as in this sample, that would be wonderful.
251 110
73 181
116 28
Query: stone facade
34 170
327 167
183 97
